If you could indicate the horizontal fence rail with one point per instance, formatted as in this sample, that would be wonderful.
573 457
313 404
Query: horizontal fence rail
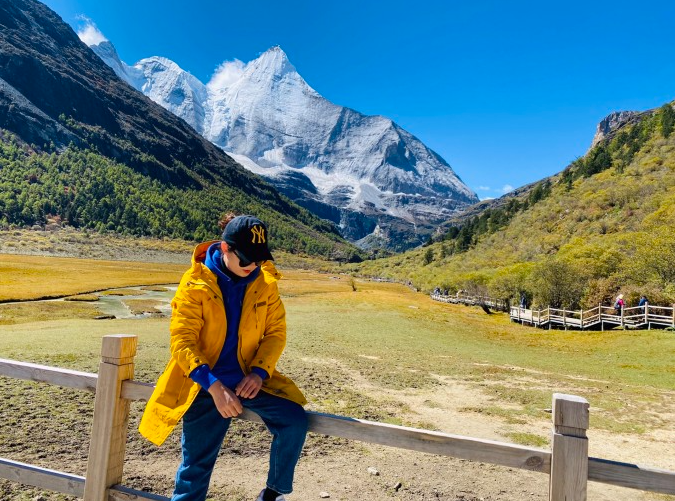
53 480
499 453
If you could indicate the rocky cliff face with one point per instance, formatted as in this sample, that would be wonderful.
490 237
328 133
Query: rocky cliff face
377 181
612 123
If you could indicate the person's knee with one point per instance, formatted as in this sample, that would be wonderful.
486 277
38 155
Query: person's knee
297 419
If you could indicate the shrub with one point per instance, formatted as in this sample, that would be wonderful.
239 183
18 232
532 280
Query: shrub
558 284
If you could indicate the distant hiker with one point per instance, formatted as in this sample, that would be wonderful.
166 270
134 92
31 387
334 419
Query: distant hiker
619 304
523 300
228 330
643 302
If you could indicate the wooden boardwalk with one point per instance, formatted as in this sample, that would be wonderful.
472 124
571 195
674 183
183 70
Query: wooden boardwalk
636 317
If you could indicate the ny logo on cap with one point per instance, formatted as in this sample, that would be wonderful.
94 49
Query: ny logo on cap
258 233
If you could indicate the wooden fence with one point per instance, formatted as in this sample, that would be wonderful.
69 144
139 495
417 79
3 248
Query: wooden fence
636 317
567 464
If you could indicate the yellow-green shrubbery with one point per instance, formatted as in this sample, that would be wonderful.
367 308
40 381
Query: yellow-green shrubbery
604 226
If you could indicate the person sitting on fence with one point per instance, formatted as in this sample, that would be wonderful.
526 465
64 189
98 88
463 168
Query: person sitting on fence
228 330
619 304
643 302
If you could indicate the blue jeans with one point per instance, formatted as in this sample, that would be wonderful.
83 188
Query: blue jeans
204 430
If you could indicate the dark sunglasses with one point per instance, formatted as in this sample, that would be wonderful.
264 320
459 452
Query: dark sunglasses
243 262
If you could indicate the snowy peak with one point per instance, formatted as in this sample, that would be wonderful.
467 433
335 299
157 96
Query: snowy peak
106 51
175 89
271 71
365 173
274 61
163 81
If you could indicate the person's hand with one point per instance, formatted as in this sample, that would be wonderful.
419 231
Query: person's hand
249 386
226 401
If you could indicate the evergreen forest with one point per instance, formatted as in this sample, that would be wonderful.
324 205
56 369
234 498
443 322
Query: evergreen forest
84 189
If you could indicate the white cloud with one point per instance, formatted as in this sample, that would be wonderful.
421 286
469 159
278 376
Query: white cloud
487 198
483 188
226 74
506 188
89 33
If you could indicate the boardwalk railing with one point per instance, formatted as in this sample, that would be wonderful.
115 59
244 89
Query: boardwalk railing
567 464
647 316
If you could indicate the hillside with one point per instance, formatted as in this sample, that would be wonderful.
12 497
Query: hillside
84 189
81 145
601 226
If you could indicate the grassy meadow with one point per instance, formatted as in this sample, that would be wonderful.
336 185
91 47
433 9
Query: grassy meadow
37 277
380 352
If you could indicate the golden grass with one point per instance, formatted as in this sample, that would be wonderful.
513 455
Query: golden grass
389 337
32 313
31 277
89 298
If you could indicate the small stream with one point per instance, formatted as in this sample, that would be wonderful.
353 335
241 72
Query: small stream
111 305
114 305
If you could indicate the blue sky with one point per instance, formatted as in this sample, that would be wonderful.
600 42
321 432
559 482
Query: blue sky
506 92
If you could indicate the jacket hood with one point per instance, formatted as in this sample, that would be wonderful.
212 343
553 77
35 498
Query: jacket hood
269 273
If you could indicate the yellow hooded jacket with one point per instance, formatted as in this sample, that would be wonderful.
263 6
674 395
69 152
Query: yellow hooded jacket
198 329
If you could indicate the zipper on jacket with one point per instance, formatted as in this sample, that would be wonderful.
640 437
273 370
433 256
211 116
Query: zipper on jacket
255 313
216 295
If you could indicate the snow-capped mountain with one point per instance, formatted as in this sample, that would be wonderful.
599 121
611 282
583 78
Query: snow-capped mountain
377 181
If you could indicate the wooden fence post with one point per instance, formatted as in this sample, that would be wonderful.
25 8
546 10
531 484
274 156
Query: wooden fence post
111 416
569 449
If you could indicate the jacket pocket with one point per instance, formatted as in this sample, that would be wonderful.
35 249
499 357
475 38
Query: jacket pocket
171 385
